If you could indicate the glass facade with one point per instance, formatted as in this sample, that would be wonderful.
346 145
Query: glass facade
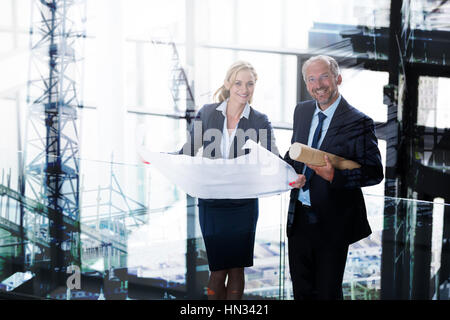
148 64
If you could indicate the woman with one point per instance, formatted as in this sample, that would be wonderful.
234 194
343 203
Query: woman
228 225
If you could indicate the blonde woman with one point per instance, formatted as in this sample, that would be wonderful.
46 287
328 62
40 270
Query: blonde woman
228 225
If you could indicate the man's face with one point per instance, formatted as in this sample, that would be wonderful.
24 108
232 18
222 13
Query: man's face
321 83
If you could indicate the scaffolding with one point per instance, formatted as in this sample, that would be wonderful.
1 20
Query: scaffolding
40 223
50 163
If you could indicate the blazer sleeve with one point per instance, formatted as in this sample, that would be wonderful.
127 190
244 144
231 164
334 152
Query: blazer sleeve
364 143
267 139
287 158
194 139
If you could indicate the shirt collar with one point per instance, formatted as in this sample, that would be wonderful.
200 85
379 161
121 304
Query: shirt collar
330 110
223 108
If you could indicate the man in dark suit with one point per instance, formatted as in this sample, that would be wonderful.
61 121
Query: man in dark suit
327 211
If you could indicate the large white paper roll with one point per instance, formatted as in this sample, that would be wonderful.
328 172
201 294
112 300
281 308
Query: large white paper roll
257 174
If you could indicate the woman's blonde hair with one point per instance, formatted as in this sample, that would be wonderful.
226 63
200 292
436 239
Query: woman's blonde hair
223 93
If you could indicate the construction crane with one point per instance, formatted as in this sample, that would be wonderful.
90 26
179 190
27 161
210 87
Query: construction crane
51 165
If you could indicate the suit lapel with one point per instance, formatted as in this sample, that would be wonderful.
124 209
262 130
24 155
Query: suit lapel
305 122
304 118
217 123
336 124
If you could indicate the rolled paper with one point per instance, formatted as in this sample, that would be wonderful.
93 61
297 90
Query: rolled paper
303 153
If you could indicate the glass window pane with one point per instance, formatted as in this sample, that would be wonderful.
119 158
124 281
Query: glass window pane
210 74
9 159
6 14
429 15
363 89
434 102
220 21
253 25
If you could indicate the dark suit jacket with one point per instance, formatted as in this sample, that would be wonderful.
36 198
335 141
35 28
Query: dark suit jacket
340 204
206 132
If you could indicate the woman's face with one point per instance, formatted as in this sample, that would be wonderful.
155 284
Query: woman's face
241 90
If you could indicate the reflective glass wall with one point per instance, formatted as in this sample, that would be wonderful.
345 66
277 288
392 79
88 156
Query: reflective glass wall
137 235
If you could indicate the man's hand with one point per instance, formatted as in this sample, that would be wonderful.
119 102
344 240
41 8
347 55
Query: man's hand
299 183
326 171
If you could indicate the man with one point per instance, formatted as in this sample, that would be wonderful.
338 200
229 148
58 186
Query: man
327 211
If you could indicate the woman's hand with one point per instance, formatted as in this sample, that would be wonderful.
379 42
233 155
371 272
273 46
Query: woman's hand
299 183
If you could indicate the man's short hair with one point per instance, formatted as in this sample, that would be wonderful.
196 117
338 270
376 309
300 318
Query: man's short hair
334 67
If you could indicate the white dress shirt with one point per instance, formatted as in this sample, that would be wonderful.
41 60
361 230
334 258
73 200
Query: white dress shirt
227 139
303 196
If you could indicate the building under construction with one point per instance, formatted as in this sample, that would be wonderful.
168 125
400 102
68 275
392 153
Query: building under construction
85 84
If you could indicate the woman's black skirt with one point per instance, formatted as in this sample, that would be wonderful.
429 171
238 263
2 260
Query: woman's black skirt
228 228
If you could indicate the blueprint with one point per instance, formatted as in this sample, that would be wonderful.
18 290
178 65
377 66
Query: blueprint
257 174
